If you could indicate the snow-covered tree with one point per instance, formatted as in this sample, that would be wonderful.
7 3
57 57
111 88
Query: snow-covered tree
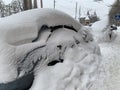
16 6
1 9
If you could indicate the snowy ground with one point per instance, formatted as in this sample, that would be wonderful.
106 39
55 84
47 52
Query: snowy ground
110 68
110 50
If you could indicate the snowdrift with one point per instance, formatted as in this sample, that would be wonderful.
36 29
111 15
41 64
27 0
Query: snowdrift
56 49
110 66
109 42
102 31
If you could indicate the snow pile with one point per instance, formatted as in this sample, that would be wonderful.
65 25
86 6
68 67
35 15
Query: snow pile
57 48
19 30
102 31
118 29
110 66
78 71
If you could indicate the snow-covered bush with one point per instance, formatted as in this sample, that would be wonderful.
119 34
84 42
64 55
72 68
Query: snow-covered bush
57 49
14 7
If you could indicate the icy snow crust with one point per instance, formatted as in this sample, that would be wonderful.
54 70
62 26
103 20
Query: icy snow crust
20 56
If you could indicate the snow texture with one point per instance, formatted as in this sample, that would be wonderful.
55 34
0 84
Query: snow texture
62 40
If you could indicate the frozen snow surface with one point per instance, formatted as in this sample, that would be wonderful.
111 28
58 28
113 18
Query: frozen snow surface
78 55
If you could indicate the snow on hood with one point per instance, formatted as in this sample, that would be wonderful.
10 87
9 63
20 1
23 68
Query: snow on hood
32 40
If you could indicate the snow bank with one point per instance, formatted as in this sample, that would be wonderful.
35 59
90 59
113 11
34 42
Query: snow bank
77 72
118 29
62 40
110 66
102 31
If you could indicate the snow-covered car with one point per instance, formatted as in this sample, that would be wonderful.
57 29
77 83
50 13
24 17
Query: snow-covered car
46 49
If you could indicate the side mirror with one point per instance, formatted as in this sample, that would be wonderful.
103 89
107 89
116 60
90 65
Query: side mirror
113 27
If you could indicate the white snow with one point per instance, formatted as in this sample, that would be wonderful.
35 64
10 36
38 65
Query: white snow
110 50
80 67
18 33
97 29
31 28
81 60
78 71
110 67
100 25
101 31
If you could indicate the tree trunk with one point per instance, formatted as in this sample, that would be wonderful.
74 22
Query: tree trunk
30 4
35 3
41 3
27 4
